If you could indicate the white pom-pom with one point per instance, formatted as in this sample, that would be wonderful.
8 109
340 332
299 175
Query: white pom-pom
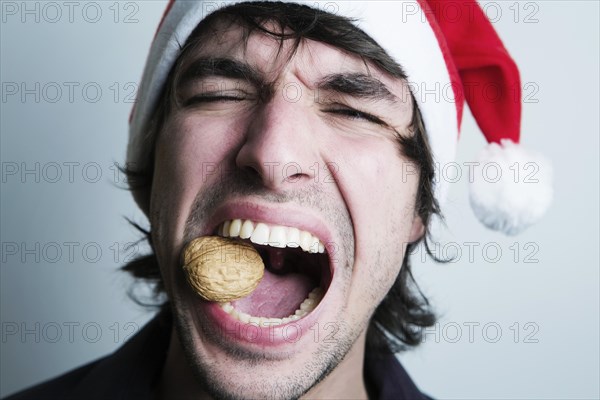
514 188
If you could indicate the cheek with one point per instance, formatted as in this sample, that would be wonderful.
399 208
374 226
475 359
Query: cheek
189 152
381 203
186 151
380 198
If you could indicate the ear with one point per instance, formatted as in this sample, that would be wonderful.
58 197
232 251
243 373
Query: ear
417 229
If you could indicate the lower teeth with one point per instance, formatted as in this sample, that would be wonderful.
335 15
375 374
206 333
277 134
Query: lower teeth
308 305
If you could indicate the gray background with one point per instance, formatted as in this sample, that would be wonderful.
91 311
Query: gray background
534 325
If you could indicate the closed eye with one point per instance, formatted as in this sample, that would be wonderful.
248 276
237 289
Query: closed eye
215 97
352 113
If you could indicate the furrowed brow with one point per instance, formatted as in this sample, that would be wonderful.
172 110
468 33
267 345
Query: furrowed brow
223 67
357 85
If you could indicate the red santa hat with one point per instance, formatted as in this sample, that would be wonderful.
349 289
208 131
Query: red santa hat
450 53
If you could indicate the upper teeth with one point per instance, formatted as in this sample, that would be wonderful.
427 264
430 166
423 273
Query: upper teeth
271 235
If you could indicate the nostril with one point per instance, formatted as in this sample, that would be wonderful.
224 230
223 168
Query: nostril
252 171
294 178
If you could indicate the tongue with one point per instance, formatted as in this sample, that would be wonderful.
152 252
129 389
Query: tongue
276 296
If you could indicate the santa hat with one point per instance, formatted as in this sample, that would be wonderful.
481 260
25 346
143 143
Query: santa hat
450 53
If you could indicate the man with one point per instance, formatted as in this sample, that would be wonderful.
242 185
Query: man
298 130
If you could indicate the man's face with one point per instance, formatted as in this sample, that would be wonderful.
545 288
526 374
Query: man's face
307 146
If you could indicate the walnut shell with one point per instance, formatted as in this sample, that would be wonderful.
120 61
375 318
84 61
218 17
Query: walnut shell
222 269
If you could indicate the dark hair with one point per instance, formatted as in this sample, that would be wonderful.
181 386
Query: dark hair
399 321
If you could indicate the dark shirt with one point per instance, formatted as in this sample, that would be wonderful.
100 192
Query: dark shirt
134 369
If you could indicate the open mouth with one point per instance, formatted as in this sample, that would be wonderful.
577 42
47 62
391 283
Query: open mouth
296 277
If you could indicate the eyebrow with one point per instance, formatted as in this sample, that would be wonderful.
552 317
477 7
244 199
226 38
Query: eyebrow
354 84
224 67
357 85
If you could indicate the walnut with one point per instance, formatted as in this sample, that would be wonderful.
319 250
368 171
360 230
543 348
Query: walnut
222 269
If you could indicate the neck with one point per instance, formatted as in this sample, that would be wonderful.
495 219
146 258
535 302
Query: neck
344 382
176 379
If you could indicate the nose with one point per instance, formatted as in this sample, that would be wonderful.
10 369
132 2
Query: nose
280 145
